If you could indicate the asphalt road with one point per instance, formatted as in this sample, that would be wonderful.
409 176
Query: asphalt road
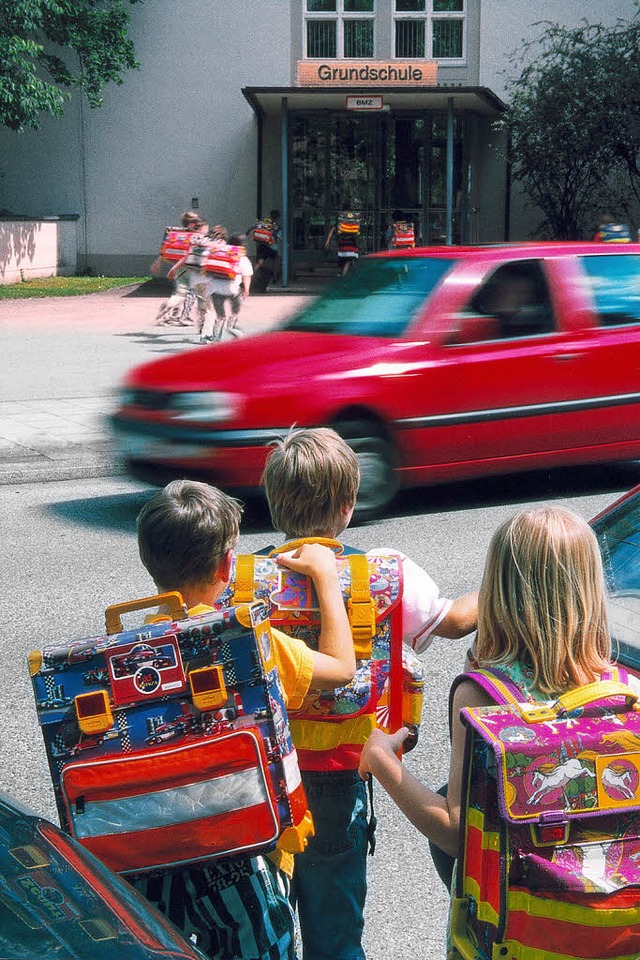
69 548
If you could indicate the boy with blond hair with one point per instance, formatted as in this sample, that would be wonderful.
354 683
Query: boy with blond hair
187 533
311 481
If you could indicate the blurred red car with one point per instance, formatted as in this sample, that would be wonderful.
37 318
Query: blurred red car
436 364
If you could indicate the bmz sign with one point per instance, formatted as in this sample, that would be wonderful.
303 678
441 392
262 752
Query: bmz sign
364 103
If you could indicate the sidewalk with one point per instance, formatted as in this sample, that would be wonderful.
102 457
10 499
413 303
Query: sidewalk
65 436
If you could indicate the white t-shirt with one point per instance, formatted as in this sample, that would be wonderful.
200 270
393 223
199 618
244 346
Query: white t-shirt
422 606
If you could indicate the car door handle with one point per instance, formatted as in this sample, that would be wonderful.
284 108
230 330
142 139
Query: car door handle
564 357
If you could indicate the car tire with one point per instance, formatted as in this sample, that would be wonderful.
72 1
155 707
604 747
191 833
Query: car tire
378 477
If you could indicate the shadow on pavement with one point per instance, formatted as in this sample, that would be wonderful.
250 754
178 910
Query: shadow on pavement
114 512
119 512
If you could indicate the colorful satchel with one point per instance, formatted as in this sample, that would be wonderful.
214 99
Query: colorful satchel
170 744
387 690
222 261
403 235
175 243
264 231
549 864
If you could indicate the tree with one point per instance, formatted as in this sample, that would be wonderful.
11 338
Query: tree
48 47
573 118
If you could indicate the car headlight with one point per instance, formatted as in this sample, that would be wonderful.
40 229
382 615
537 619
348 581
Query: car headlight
209 406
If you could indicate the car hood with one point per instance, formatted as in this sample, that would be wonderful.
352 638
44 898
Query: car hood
274 357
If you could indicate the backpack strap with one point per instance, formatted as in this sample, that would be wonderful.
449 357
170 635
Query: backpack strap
617 673
244 584
494 682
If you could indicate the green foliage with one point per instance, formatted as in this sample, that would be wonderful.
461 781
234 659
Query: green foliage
573 118
48 47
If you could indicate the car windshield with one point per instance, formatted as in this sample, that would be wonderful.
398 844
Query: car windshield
618 534
377 298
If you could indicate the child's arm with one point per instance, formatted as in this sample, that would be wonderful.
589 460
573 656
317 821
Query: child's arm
437 817
334 664
174 269
461 619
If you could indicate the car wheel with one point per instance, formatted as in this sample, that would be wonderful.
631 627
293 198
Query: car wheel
378 478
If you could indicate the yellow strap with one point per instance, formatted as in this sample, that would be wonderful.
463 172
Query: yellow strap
360 606
243 591
334 545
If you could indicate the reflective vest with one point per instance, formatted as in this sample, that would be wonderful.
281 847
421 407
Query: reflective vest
387 690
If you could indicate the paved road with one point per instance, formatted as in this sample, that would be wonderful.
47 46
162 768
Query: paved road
63 356
71 549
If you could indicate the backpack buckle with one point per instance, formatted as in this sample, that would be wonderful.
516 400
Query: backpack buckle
551 829
362 620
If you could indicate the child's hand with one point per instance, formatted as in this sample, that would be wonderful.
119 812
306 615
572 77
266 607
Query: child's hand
380 749
312 559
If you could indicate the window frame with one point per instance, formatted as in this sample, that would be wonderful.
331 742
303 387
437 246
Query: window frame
428 16
339 16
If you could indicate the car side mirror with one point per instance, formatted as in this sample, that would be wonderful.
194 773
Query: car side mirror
473 329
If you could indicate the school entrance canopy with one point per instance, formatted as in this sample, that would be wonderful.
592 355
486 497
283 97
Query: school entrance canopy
374 149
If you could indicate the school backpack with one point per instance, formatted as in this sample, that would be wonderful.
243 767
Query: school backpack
348 223
175 243
387 689
403 235
169 744
613 233
222 260
265 231
549 862
199 249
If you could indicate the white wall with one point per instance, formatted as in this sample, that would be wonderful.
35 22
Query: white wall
178 128
36 248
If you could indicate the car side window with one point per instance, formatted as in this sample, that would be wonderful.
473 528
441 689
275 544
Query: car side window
513 302
614 281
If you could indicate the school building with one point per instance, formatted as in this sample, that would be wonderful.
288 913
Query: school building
307 106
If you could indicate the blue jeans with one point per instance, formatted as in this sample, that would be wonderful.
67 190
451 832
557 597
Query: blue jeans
329 884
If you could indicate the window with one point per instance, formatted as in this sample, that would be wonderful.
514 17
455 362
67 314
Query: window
429 28
377 298
514 302
339 29
615 288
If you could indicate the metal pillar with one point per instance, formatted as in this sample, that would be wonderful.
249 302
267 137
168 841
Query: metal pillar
450 130
284 160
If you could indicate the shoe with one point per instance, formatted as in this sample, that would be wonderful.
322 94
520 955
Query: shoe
207 340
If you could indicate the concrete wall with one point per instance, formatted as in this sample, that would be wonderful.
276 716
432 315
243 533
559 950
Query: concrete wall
176 129
37 248
179 128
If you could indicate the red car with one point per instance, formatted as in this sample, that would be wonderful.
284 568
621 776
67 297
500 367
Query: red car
436 364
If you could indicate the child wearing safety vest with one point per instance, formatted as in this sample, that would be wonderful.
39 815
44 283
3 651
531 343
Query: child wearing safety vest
311 482
236 907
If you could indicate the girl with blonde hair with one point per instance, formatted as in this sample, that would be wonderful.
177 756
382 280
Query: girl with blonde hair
541 621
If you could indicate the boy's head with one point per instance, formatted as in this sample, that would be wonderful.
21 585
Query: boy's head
311 481
186 533
219 233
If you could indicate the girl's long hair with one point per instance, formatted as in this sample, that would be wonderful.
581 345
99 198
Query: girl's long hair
542 600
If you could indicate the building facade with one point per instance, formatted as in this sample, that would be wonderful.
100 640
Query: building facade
307 106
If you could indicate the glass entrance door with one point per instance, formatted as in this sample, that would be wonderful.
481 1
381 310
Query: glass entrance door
374 165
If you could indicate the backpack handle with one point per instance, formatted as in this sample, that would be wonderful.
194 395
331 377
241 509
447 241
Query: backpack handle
588 696
173 600
593 693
